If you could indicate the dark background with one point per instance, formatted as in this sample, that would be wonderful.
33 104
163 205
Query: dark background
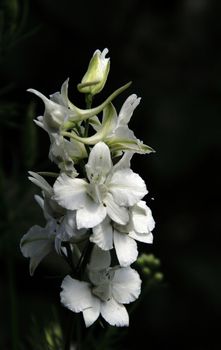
171 51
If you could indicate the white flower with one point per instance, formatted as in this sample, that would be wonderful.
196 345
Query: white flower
60 226
123 237
114 130
61 114
39 241
97 73
36 244
141 223
110 190
120 125
106 292
57 110
121 137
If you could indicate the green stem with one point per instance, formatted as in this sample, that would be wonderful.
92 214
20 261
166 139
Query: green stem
88 100
78 128
81 115
86 128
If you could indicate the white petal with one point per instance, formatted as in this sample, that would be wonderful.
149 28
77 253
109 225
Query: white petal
40 201
35 244
123 134
34 241
126 248
142 218
142 237
91 313
61 97
52 209
34 262
124 162
40 182
114 313
76 295
68 228
40 123
43 203
70 193
65 152
69 223
54 115
115 212
90 215
100 259
103 235
127 109
126 285
99 163
127 187
95 123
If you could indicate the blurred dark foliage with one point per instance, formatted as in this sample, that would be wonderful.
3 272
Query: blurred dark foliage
171 51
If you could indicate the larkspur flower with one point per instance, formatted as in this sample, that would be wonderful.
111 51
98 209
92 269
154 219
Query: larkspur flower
108 191
114 130
60 227
105 293
61 114
38 242
108 234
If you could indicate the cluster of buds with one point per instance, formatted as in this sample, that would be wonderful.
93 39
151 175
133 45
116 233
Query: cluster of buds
94 210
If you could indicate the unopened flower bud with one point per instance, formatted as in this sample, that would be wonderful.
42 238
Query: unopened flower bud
96 75
147 271
158 277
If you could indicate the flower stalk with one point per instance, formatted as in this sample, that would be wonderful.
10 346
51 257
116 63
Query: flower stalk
95 210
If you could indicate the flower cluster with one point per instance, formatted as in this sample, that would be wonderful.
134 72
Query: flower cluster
94 210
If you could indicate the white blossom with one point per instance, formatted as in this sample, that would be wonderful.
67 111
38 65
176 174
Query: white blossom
108 234
114 130
105 293
108 191
38 242
60 227
61 114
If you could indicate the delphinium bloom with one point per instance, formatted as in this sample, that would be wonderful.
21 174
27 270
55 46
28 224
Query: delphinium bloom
108 190
105 292
94 206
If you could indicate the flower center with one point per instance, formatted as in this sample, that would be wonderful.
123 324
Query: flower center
97 192
103 286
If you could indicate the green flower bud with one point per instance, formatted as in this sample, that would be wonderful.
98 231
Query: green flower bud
147 271
158 276
96 75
